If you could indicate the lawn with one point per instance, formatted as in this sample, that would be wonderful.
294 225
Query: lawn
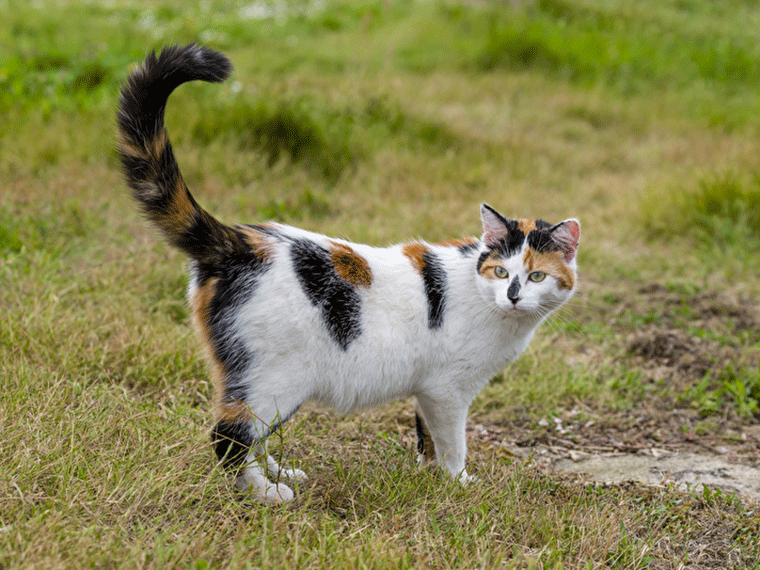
400 117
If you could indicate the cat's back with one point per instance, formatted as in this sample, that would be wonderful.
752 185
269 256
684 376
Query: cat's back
316 283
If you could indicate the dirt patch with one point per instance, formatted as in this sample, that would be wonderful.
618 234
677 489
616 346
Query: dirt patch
683 337
677 354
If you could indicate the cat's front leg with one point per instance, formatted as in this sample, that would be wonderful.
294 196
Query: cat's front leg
446 422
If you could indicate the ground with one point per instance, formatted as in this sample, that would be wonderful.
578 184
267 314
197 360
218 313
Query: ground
660 441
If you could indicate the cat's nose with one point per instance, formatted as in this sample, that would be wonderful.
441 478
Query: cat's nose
513 293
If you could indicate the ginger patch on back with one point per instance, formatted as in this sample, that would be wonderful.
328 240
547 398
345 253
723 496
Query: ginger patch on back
349 265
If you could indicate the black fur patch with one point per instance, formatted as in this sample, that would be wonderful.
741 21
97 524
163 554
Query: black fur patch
434 278
420 433
468 248
482 258
541 240
233 439
337 299
232 442
137 169
425 445
514 240
143 99
237 284
507 246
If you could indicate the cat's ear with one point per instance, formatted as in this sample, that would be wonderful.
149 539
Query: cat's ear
566 235
494 225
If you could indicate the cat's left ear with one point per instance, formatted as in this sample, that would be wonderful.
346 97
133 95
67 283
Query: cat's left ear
494 225
566 235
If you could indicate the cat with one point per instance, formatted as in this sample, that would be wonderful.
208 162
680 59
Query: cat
288 316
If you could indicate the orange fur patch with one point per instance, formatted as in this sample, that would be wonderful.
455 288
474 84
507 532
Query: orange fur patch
152 150
550 263
416 251
158 144
180 214
351 266
526 225
262 244
126 146
489 263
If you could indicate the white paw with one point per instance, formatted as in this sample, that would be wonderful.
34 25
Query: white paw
276 472
276 493
262 490
294 475
466 479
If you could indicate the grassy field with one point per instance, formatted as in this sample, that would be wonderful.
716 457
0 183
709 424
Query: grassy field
641 119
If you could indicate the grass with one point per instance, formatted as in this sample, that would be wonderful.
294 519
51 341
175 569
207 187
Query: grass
378 121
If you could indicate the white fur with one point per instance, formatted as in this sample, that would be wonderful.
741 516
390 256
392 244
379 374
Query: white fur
397 354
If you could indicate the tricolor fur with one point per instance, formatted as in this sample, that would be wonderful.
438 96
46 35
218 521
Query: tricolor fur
288 316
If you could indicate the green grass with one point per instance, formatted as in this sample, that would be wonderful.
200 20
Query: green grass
380 122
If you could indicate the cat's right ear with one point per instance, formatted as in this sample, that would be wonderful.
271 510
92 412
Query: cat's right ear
494 225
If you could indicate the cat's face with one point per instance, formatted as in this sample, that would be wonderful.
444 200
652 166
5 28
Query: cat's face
528 267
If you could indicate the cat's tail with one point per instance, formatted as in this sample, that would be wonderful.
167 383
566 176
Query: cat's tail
147 157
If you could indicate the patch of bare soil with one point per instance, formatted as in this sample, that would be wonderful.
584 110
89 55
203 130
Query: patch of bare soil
666 349
662 440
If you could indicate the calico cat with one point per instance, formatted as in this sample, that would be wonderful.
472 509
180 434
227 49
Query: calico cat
289 316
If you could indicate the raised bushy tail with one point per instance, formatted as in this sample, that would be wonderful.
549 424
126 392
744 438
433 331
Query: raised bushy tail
148 160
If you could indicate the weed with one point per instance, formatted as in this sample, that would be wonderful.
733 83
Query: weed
737 389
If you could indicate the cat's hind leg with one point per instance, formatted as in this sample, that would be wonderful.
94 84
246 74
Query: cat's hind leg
240 443
277 471
240 451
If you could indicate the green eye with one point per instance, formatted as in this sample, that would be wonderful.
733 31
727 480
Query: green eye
500 272
537 276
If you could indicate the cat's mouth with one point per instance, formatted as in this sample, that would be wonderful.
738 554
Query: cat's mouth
517 309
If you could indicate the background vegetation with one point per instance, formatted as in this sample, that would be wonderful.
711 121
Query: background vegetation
380 121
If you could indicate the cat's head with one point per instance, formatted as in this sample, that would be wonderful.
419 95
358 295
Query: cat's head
527 267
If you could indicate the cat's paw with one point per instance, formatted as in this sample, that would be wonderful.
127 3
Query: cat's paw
294 475
276 471
465 479
262 490
276 493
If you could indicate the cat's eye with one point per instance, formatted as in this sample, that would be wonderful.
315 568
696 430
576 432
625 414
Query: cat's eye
537 276
500 272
